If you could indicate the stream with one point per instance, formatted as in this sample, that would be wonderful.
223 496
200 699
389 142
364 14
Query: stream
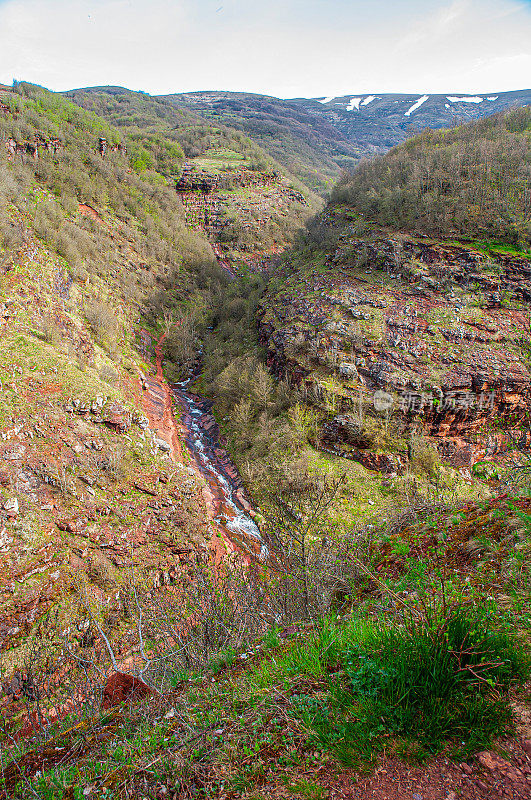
225 497
231 510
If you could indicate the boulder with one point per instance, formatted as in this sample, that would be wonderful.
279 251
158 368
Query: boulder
11 506
120 687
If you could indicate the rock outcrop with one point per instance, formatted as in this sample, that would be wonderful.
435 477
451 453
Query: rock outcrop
121 687
433 333
234 207
32 147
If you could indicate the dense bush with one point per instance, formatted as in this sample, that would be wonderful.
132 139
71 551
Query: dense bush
103 322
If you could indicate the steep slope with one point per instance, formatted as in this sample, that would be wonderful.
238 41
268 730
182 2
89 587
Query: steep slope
148 118
103 266
87 480
393 335
232 189
113 555
313 139
470 182
274 696
197 130
317 138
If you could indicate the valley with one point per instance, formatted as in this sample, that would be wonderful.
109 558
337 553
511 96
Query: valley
264 457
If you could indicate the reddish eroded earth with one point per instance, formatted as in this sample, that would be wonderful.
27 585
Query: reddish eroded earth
83 481
157 399
228 508
486 776
88 211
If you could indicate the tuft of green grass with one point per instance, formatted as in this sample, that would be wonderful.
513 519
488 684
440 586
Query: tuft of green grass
436 680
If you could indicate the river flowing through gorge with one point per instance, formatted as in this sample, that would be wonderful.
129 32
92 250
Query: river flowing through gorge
227 505
231 509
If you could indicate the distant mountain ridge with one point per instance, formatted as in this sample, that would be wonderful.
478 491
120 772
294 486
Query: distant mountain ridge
314 139
383 120
345 128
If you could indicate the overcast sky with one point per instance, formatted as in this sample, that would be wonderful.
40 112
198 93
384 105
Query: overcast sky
286 48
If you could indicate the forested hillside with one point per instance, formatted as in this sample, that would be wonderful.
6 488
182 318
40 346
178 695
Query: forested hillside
53 142
471 181
251 204
308 145
148 119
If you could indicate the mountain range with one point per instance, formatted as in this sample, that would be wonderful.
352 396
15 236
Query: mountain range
314 139
341 130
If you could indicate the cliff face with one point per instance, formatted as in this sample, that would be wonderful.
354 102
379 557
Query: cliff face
434 334
247 215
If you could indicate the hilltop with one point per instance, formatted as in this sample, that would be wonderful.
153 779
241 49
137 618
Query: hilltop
317 138
383 120
312 139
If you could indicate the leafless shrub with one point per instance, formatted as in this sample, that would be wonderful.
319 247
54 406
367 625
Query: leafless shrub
103 322
424 456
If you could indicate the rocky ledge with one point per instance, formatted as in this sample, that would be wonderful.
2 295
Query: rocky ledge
431 334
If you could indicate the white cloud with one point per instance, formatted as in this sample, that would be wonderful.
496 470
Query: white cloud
288 48
457 45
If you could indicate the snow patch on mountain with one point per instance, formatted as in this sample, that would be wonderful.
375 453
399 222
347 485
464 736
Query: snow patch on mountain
475 99
369 99
354 104
416 105
326 100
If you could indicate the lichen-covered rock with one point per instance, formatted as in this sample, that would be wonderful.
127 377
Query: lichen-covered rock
442 329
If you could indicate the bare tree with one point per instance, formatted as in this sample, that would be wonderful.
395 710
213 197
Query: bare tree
296 513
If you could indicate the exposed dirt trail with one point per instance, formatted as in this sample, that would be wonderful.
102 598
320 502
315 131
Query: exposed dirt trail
157 402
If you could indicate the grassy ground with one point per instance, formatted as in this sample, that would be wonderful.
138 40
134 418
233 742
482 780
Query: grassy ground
428 655
336 696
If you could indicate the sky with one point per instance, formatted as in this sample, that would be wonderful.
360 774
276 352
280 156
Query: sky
285 48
